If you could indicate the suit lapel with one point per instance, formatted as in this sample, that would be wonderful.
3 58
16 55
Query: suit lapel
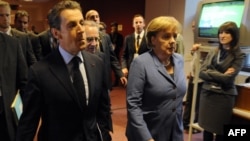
2 51
90 66
162 69
102 42
59 69
142 45
132 43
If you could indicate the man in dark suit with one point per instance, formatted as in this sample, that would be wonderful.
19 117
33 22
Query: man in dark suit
5 27
134 44
13 76
116 39
106 47
92 39
48 42
21 23
117 43
67 113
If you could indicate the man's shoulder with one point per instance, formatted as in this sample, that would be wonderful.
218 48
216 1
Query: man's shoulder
11 41
19 33
90 56
4 37
43 33
31 34
129 36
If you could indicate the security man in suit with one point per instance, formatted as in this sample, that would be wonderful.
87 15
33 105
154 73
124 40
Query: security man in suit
13 77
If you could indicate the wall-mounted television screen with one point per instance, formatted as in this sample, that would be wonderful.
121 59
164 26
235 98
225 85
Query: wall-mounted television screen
210 14
215 14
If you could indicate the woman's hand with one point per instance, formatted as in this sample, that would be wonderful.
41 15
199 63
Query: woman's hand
229 71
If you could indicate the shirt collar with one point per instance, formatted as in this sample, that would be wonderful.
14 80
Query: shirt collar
67 57
141 34
8 32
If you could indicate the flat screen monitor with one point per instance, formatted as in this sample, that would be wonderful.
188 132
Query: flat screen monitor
215 14
211 14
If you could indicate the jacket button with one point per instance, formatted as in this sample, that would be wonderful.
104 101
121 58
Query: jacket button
173 110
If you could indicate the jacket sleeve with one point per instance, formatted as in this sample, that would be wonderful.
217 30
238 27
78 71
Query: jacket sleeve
209 72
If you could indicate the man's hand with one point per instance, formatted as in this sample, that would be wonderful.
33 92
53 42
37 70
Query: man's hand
195 48
125 72
124 81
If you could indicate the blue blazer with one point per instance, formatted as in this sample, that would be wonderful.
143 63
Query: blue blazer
154 99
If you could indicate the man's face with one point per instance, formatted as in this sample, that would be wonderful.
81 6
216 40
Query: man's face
4 18
138 24
94 17
92 38
22 24
72 35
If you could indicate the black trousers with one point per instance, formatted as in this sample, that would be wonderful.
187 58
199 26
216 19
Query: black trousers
4 135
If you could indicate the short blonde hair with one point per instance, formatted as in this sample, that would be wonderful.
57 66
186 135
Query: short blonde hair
161 23
5 4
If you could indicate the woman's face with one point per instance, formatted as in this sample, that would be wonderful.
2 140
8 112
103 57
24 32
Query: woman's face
164 42
225 38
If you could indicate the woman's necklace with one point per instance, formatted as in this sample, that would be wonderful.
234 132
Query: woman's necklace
166 64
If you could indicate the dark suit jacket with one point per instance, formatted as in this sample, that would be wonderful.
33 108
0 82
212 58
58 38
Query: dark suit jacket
50 95
129 50
13 76
117 40
44 38
212 72
26 46
36 46
111 59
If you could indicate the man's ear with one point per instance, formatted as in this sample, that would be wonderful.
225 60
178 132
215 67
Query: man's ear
56 33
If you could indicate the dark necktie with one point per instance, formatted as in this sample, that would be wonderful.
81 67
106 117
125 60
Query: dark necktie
137 43
78 80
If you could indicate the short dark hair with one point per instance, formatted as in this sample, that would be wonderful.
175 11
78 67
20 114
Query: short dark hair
54 18
114 24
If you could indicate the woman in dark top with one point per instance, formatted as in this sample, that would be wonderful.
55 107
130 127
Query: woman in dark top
218 91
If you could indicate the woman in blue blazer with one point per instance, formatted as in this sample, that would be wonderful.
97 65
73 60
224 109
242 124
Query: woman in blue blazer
156 86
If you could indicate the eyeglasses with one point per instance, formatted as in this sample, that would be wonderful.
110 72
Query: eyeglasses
91 39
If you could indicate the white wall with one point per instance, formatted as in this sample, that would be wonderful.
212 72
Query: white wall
154 8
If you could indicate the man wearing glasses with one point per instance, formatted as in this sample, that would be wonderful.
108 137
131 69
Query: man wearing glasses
105 46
